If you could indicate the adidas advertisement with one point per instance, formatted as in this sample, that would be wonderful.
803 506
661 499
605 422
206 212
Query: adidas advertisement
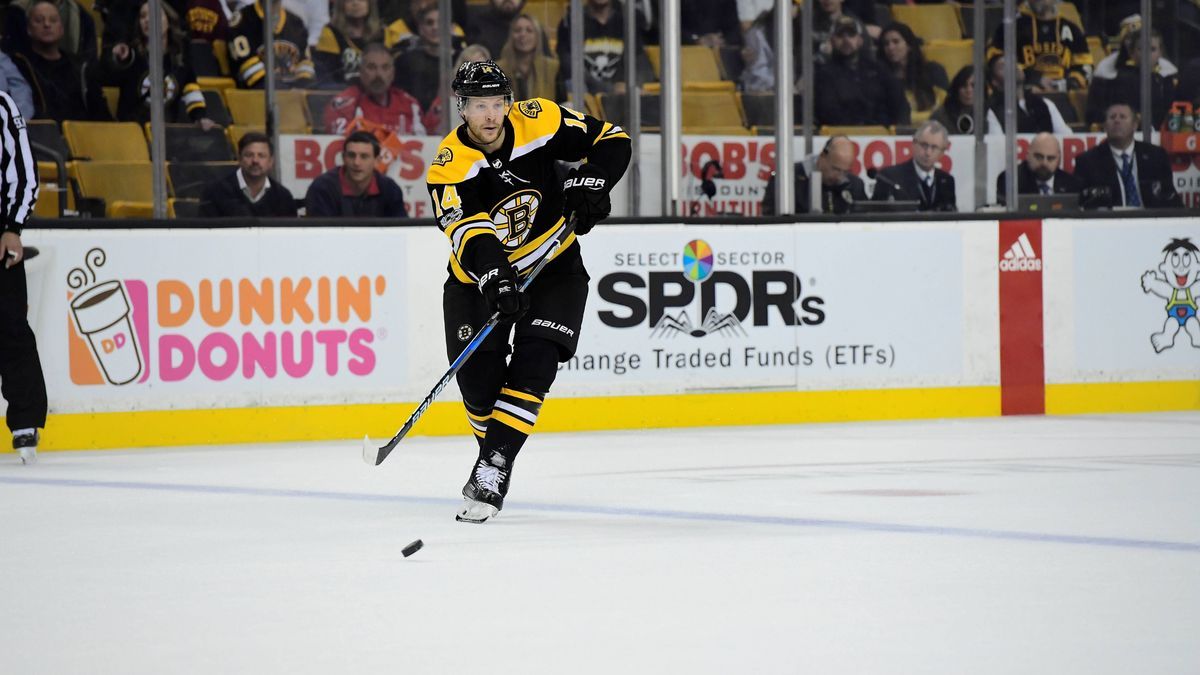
694 308
1136 293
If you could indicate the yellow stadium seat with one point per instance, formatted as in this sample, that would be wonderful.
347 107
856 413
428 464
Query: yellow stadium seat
106 141
111 96
248 108
236 131
126 187
951 54
549 13
931 22
1096 49
217 83
713 109
873 130
718 131
698 64
1070 12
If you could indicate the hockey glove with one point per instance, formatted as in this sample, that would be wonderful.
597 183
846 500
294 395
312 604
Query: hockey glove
500 289
585 195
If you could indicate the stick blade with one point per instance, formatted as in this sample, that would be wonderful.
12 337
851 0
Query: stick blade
370 452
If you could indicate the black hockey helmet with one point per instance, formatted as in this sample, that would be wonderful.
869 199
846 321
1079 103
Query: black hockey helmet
481 78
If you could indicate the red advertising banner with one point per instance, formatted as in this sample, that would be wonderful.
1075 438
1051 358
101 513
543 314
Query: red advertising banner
1022 352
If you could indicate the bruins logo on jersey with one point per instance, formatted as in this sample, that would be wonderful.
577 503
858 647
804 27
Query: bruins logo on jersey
444 156
530 108
514 217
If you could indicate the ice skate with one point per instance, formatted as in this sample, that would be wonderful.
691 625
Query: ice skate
25 444
485 490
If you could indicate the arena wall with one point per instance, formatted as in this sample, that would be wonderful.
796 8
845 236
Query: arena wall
154 337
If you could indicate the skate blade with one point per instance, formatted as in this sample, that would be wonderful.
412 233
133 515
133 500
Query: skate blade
476 512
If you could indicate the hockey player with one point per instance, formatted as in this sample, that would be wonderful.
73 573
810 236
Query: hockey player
497 197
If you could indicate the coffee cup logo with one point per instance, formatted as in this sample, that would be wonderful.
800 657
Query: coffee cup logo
101 313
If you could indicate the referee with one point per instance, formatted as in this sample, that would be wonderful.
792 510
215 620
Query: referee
21 381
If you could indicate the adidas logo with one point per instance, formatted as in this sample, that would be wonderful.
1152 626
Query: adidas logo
1021 257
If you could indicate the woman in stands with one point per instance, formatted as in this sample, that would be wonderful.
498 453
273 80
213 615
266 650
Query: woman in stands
958 112
533 74
900 49
338 54
64 88
128 68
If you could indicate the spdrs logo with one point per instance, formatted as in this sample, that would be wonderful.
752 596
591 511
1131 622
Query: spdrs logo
702 299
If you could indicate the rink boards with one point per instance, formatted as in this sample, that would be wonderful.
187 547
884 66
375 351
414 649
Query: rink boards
162 337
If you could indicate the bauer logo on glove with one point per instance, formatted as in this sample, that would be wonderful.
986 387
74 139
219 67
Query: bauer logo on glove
585 196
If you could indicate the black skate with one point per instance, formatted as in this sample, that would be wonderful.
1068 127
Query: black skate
26 445
485 490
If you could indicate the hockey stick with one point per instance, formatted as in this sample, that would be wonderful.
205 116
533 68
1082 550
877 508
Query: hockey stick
375 455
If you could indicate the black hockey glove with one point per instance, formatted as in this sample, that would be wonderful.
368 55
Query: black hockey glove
500 289
585 194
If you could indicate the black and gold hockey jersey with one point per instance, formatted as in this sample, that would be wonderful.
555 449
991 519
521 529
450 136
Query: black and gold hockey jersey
292 61
338 56
509 203
1055 48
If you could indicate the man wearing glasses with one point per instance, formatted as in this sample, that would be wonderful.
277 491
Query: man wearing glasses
919 179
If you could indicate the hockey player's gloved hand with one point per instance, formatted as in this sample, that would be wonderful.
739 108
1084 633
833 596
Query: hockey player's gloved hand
585 194
500 289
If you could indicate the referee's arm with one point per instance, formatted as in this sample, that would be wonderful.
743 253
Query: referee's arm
18 171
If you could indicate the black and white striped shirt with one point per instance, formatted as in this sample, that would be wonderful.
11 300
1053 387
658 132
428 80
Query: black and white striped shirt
18 171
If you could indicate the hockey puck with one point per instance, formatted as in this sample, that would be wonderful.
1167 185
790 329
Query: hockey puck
412 548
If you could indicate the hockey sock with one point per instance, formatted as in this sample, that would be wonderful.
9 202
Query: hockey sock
531 371
480 381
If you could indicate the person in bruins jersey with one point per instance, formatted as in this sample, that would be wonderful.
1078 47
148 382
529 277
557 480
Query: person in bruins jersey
293 64
497 197
1052 50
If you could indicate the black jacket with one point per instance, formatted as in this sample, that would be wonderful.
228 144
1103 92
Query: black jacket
224 199
861 94
1064 183
833 199
325 199
1099 173
900 183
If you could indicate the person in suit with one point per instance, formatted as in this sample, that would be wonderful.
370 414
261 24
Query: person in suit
1123 172
840 189
1040 174
919 179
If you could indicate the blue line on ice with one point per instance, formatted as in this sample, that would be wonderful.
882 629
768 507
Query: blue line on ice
746 519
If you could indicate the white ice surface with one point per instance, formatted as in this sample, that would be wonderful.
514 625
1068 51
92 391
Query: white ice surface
1016 545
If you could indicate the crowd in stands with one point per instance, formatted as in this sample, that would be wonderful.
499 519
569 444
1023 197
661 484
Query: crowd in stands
369 69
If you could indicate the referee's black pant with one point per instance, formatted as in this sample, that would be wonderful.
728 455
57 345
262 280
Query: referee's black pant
21 380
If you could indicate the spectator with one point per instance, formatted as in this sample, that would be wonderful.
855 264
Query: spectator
828 13
129 70
840 189
248 192
13 84
1123 172
533 74
712 23
852 89
417 69
356 189
957 113
900 49
603 48
77 38
207 23
374 99
1040 174
919 178
1054 51
339 52
404 33
1035 114
758 52
64 88
1118 79
293 63
20 370
491 27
